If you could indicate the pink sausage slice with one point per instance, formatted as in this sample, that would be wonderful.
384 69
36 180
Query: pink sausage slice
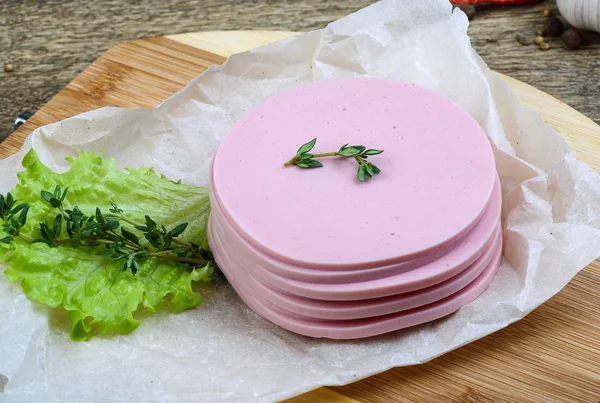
359 328
437 174
322 309
402 277
415 280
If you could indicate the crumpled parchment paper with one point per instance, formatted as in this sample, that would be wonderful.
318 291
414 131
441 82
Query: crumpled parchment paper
222 351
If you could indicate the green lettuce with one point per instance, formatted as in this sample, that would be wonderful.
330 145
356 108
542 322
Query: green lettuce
100 297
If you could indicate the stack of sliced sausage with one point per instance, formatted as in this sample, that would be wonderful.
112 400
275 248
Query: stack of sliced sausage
321 253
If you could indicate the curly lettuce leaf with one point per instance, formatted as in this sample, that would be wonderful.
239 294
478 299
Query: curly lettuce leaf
100 298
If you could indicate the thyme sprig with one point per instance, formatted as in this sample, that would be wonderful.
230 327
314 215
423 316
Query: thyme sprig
103 229
305 160
12 223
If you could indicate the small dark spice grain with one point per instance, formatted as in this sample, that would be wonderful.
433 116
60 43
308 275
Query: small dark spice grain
524 38
572 38
469 10
9 67
553 27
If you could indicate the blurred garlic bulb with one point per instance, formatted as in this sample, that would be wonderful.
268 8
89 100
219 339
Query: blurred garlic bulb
581 13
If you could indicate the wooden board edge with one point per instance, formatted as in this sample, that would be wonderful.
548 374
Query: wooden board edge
52 111
321 395
230 42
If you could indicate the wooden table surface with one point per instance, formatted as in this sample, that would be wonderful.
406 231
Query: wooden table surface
49 42
550 356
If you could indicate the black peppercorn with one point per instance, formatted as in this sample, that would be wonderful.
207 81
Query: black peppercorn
572 38
553 27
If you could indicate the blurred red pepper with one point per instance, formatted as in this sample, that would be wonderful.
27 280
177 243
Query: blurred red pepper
507 2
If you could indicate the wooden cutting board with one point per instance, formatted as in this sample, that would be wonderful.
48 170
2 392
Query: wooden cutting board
551 355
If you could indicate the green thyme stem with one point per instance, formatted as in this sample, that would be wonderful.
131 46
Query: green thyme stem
295 160
98 241
199 262
162 253
102 229
117 236
360 160
332 154
25 238
182 243
165 254
135 254
112 232
122 217
305 160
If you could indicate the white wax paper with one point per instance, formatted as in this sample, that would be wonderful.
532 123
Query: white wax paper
222 351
